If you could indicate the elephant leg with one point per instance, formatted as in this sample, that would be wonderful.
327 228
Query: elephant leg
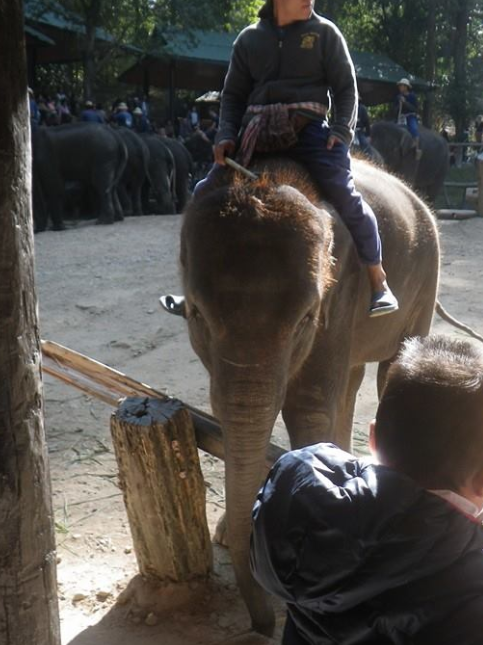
345 417
56 213
382 374
221 532
137 206
145 193
310 411
125 199
106 214
118 214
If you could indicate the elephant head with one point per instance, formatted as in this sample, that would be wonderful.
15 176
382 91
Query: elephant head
256 263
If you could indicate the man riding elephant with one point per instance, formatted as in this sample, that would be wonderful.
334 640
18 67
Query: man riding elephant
277 92
406 104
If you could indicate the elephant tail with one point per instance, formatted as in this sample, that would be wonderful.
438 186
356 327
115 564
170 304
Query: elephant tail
441 311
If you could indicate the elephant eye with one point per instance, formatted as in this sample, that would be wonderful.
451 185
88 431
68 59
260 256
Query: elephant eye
305 320
194 313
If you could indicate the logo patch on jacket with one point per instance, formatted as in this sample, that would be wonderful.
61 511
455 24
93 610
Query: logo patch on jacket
309 40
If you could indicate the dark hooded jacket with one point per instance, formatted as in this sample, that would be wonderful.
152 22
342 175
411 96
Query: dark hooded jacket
361 554
300 63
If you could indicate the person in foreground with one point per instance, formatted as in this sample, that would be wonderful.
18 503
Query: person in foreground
276 96
388 552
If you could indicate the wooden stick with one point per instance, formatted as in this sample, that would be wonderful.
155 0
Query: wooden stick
241 169
110 385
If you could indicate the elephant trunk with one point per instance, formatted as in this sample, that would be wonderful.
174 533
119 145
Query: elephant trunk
247 409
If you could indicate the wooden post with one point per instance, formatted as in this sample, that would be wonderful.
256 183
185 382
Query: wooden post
479 168
28 586
164 491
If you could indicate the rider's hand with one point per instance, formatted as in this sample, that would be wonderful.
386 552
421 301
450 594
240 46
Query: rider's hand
333 141
223 149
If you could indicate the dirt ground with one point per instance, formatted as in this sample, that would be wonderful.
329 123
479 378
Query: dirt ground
98 293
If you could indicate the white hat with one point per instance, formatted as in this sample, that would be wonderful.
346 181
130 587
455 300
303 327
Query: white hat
137 111
122 106
405 81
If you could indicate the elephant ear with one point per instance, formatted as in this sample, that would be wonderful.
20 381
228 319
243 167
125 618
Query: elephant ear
406 144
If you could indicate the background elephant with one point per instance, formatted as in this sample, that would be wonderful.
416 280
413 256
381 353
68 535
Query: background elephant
396 147
89 155
161 179
135 173
279 326
184 170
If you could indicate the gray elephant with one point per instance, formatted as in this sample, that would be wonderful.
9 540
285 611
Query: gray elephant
89 155
398 151
136 172
276 305
160 181
184 170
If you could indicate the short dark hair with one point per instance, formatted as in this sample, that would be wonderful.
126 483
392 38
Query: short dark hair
429 423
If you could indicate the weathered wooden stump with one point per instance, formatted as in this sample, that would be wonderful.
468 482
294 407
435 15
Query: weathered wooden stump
164 491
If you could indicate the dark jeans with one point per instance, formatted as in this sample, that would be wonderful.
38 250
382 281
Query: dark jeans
413 125
331 171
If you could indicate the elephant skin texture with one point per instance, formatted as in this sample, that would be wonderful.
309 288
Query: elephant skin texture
87 155
277 310
397 148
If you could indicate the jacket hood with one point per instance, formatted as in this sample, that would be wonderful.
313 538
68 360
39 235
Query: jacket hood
331 532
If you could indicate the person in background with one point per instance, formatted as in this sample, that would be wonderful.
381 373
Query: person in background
169 129
90 114
34 110
140 121
479 129
101 112
385 551
363 127
194 118
122 117
406 104
63 110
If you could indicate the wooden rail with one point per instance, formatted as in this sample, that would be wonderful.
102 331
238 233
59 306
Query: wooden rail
110 385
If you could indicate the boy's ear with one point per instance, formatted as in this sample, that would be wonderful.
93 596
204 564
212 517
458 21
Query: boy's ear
372 438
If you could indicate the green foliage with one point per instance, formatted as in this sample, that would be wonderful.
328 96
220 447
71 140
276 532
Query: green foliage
400 29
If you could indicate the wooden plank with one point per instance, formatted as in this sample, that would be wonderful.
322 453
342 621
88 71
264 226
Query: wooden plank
110 385
448 213
461 184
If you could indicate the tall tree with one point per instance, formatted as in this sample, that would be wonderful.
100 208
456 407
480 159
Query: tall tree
459 87
28 589
430 67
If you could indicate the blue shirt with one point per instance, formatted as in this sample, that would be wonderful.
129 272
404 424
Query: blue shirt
91 116
123 119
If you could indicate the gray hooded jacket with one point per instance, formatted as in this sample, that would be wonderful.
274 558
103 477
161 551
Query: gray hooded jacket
300 63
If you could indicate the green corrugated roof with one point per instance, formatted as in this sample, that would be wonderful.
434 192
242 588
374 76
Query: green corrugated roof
215 47
210 46
52 14
38 35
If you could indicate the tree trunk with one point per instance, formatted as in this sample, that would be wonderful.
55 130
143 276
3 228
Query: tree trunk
430 67
92 19
28 602
164 490
459 98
